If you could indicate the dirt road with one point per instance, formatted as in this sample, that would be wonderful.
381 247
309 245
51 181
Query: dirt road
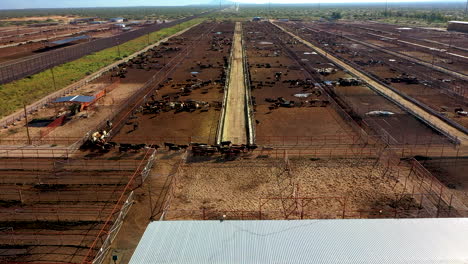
235 125
416 110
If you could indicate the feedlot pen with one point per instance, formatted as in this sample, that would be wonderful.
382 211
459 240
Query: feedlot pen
186 105
359 101
305 187
274 74
62 210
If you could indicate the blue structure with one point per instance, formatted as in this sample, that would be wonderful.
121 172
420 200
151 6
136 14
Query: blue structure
75 99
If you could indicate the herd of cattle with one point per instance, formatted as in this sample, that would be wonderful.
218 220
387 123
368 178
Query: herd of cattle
281 102
198 149
158 106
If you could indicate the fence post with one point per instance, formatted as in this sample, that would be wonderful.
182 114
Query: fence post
344 206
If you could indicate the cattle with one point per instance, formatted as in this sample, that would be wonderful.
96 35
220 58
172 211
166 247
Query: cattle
168 145
136 147
197 144
153 146
174 148
225 143
123 148
183 146
238 147
251 147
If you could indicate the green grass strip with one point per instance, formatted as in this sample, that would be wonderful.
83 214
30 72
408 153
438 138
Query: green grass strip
33 88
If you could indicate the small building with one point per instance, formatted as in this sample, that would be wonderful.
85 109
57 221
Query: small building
117 20
396 241
460 26
256 19
82 100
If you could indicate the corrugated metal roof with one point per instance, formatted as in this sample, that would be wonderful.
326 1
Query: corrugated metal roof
64 41
389 241
458 22
75 98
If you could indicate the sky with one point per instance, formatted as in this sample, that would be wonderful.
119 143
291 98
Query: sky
17 4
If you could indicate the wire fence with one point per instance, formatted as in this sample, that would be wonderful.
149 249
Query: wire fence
101 245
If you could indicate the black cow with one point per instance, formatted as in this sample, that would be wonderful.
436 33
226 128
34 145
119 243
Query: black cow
251 147
225 143
168 145
174 148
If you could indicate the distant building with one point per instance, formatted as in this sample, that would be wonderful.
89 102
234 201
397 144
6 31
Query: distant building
120 25
117 20
83 20
460 26
257 19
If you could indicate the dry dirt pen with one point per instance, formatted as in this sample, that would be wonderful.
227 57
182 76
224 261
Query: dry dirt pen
441 92
452 41
294 119
434 53
359 100
65 210
37 40
450 169
287 184
185 106
124 89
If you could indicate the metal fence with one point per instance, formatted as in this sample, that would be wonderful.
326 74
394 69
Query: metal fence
33 65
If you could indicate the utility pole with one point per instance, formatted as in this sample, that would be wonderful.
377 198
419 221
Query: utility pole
269 9
118 47
466 8
53 78
27 123
386 7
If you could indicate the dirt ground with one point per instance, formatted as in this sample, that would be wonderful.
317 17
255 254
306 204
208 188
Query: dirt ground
148 205
37 40
314 120
53 209
440 91
452 173
244 185
41 18
406 103
185 127
81 123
